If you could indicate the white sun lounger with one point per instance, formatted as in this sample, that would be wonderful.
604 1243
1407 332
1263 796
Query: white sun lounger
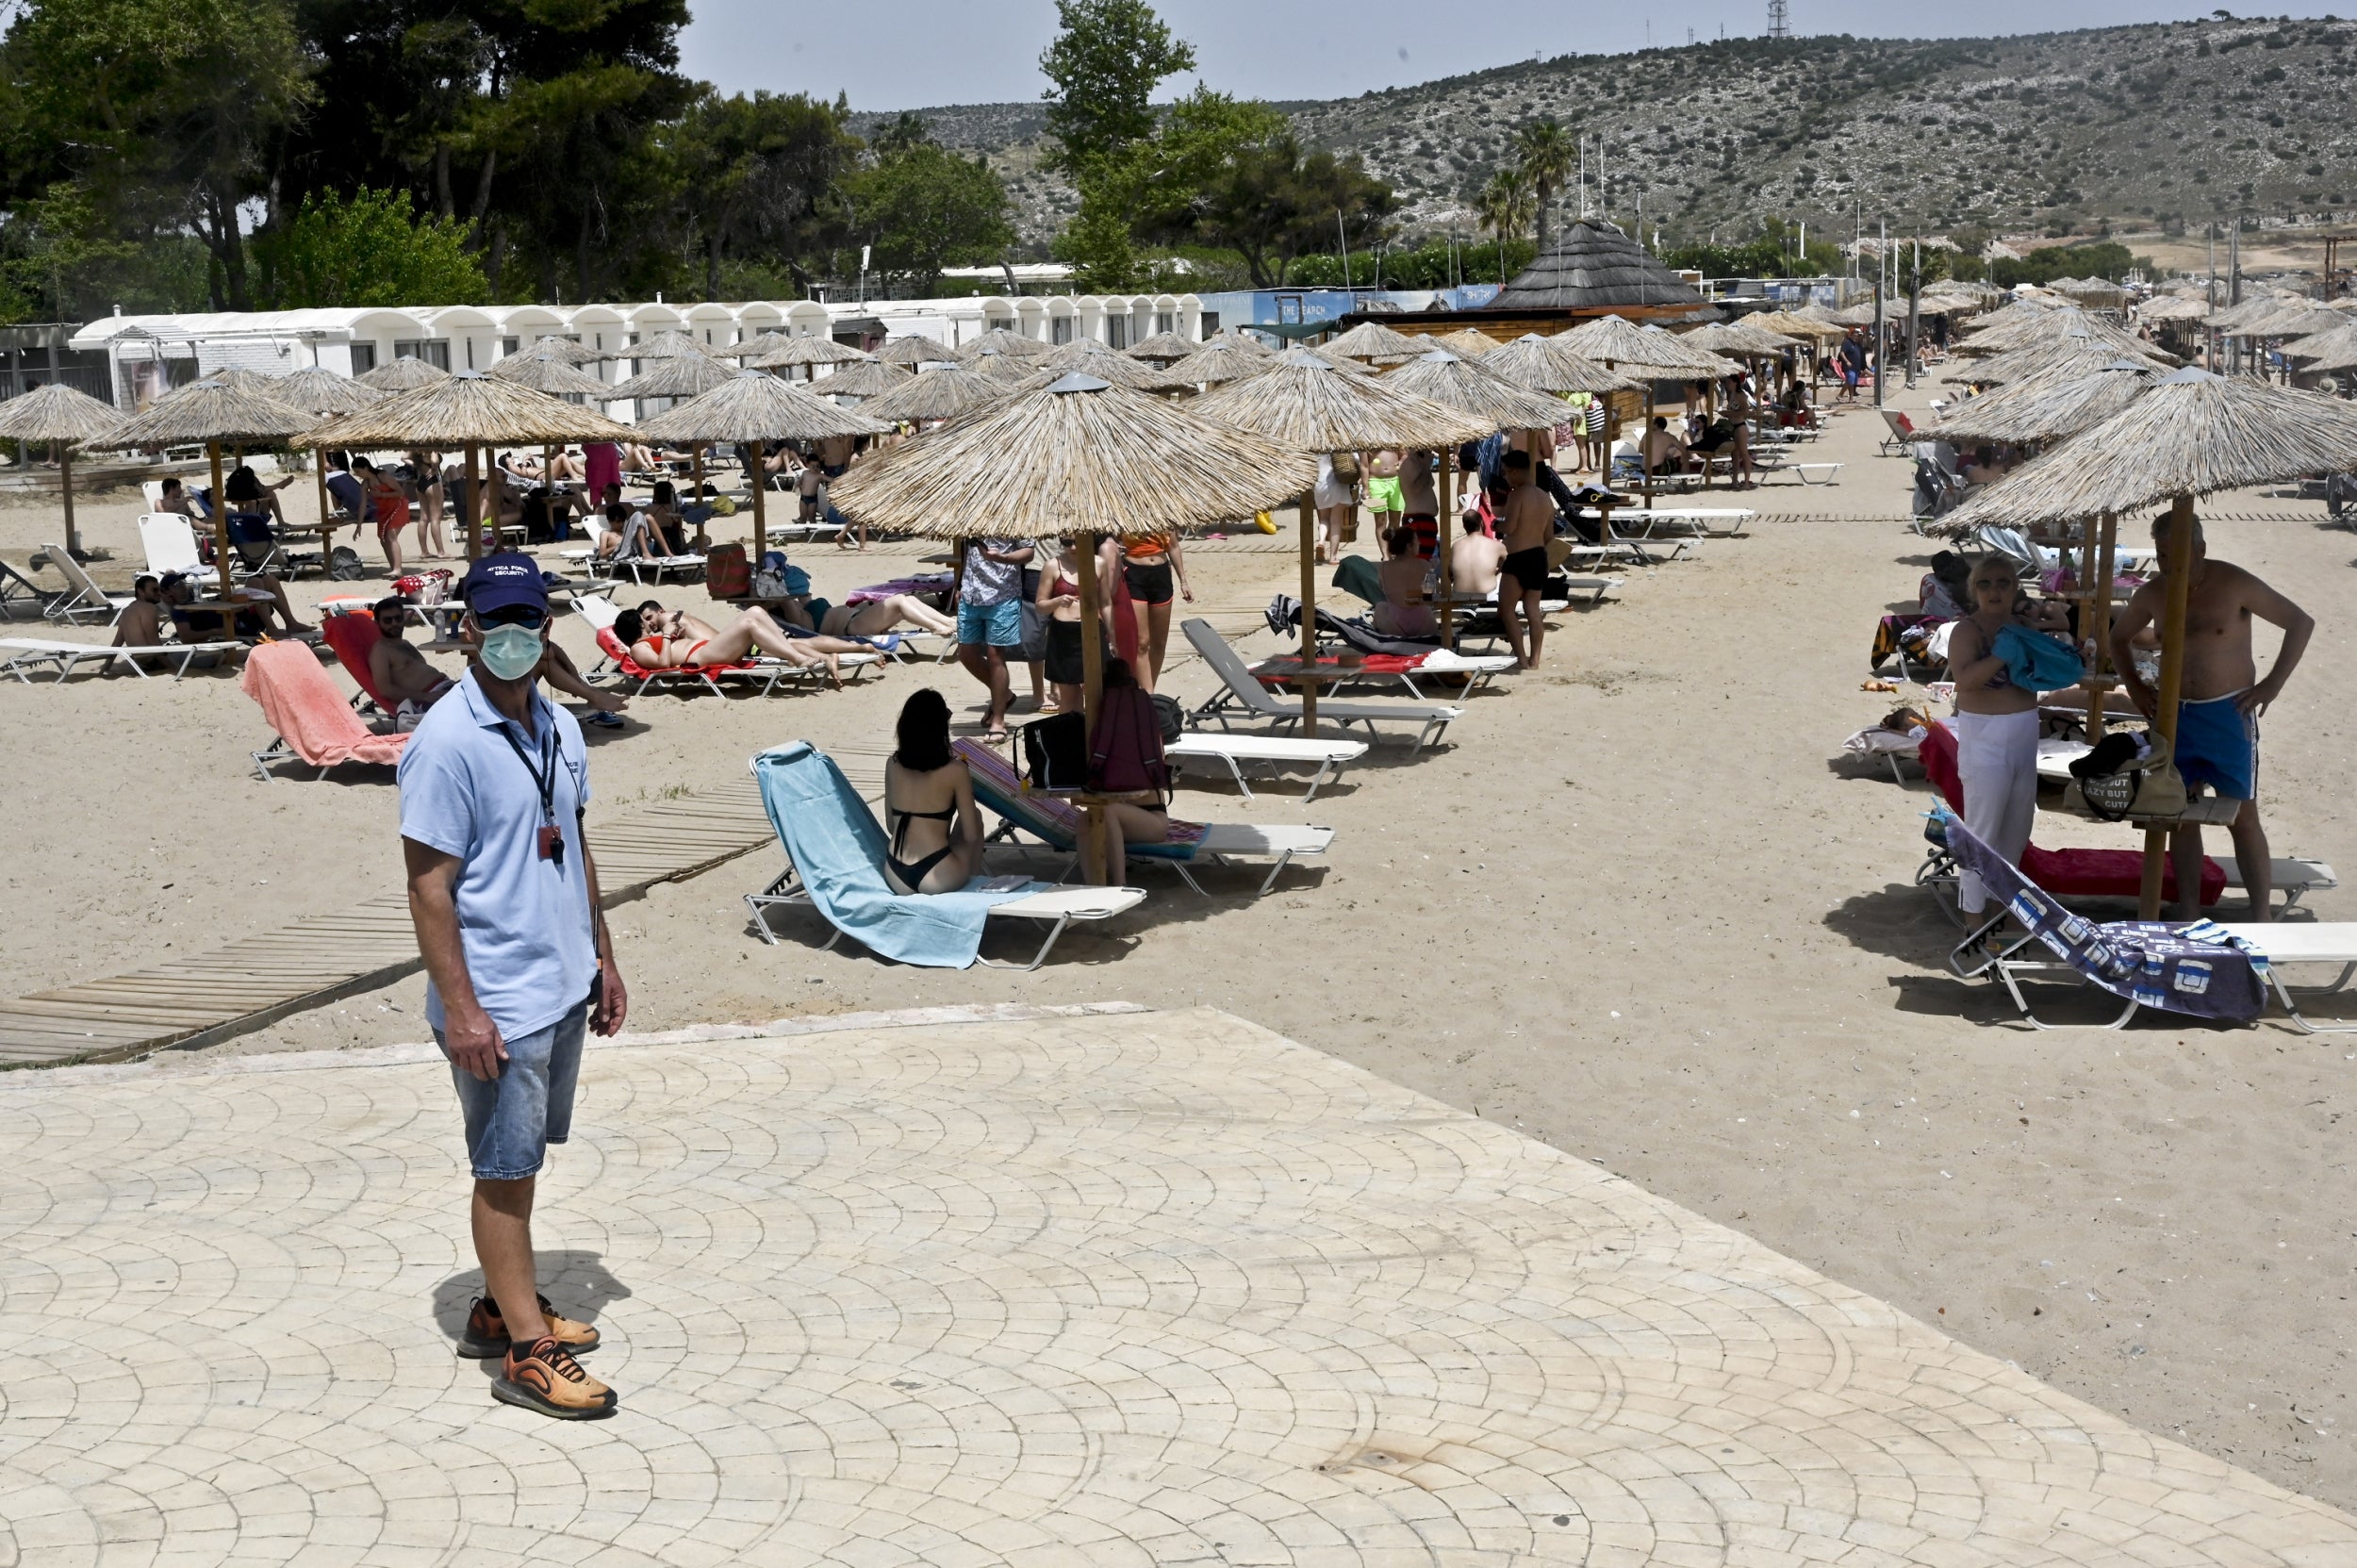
1326 757
14 585
29 653
1823 473
1432 719
1713 521
82 596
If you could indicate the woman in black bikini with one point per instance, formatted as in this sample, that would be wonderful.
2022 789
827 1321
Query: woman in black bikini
929 805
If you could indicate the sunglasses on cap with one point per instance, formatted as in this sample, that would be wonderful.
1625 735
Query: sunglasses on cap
514 615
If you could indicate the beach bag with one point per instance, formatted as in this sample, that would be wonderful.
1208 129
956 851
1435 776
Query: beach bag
726 574
1126 753
345 566
1055 752
2037 662
1346 467
424 587
2116 784
770 581
1170 716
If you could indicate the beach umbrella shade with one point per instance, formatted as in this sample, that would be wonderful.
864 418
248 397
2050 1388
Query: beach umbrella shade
2335 349
1076 457
2191 435
804 351
217 414
322 394
2078 352
941 394
1470 341
2048 408
1091 357
867 379
59 417
552 373
677 376
1165 346
999 362
1305 404
1237 337
1007 340
468 411
570 351
668 344
914 350
1374 342
404 374
756 410
1619 343
1543 365
1217 362
1739 339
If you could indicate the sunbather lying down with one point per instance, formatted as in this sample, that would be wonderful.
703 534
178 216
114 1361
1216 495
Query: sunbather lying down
873 618
673 639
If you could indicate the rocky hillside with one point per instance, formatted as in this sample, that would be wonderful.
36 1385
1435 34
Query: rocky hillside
2152 126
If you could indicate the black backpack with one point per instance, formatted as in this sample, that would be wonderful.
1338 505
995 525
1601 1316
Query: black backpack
1055 751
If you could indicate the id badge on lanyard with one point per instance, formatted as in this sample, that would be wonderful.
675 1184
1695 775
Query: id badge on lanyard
551 840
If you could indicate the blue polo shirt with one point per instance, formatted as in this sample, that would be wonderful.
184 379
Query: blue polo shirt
524 922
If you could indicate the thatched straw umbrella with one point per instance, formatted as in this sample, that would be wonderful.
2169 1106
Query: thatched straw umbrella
1307 405
679 375
914 350
999 362
551 374
867 379
1091 357
469 410
1078 456
1473 386
668 344
756 410
803 350
2191 435
2048 408
322 394
1470 341
1164 346
1007 340
1236 337
1216 363
2335 349
2078 351
1617 343
1544 365
567 350
215 413
940 393
404 374
1375 343
59 417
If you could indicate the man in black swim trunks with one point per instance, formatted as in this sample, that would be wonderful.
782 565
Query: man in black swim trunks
1529 521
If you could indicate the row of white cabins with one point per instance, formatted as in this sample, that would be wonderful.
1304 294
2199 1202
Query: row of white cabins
149 354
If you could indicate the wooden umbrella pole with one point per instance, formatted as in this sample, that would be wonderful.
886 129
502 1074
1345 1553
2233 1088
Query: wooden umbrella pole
1444 537
65 483
761 519
696 475
1309 615
221 519
2180 572
2100 612
1092 693
475 502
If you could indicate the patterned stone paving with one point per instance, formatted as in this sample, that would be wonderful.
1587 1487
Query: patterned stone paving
1098 1288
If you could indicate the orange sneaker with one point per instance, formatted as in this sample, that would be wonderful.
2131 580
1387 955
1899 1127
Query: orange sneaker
547 1380
486 1331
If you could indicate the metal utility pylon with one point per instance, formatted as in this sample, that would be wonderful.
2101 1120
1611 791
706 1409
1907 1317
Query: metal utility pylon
1779 19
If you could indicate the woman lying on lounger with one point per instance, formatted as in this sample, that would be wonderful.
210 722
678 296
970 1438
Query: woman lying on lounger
929 805
679 640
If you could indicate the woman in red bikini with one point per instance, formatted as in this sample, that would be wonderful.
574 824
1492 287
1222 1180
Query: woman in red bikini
678 641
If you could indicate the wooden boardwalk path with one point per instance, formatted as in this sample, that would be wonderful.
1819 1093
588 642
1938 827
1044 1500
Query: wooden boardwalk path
250 983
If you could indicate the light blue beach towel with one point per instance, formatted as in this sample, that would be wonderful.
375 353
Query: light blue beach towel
839 847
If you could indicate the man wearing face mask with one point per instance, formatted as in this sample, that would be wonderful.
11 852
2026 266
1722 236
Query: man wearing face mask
517 961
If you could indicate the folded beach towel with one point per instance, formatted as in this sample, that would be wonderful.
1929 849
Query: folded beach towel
838 848
307 710
931 582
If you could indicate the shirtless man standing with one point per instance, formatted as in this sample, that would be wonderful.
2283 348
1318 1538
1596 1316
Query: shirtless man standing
2217 718
1385 497
1419 494
1528 522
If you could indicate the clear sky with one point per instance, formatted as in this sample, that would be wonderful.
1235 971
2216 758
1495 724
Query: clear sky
915 53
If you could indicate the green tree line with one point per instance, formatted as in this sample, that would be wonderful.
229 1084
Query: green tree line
255 154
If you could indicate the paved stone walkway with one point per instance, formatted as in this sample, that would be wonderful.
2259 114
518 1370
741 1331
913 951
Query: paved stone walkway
1154 1288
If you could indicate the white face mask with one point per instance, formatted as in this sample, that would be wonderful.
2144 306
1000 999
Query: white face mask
511 652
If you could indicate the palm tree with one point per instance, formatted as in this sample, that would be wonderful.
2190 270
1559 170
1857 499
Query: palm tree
1546 155
1503 207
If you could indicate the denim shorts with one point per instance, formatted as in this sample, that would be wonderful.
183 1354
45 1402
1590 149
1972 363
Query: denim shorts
512 1120
1000 625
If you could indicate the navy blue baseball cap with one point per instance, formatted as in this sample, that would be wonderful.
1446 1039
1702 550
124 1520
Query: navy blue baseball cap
502 581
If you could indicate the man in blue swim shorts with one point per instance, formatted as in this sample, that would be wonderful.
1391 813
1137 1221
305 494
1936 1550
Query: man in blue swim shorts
2217 716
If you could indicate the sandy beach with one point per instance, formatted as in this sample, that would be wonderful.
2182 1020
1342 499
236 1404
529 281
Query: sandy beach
1631 907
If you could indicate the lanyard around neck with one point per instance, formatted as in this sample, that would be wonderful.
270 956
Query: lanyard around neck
544 776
